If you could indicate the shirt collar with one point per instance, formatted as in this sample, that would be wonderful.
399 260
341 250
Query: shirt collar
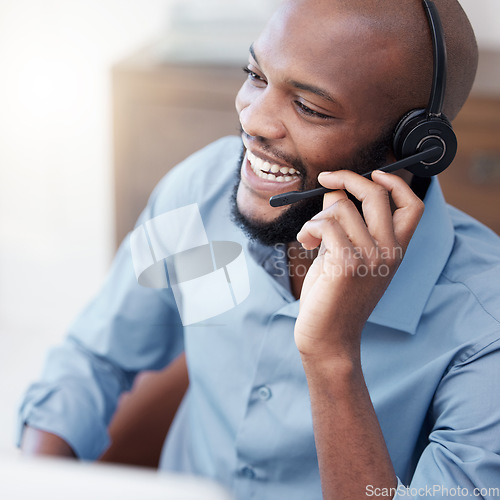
403 302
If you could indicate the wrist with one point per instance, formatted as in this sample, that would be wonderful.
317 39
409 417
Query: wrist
326 345
334 370
340 357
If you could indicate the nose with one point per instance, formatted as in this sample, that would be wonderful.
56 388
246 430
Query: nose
261 114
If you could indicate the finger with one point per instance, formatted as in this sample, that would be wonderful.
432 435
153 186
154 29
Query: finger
409 207
326 231
347 215
331 198
374 199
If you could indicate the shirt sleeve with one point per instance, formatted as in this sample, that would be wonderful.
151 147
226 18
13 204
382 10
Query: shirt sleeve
462 457
127 328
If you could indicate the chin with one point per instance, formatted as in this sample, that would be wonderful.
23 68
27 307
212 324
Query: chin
256 208
268 225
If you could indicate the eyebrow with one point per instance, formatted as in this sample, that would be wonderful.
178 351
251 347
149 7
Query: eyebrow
314 90
303 86
252 52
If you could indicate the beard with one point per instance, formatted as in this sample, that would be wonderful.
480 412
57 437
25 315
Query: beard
285 227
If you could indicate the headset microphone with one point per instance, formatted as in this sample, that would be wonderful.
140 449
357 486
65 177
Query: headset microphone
424 142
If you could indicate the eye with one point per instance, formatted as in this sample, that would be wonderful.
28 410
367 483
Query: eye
310 112
252 75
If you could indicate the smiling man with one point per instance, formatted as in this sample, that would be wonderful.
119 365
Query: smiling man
366 356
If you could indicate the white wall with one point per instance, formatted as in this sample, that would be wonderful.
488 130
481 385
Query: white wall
56 231
484 16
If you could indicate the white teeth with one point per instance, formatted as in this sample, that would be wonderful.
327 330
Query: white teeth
266 170
258 164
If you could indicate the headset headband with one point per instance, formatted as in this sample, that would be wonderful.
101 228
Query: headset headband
435 106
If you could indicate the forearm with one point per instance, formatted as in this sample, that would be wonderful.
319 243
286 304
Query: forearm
357 258
351 449
37 442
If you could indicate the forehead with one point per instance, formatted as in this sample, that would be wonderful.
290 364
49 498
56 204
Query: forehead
344 51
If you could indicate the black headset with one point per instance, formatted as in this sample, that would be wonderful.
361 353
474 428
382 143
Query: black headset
421 129
424 142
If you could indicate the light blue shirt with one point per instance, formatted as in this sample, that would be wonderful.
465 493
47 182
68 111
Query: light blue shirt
430 357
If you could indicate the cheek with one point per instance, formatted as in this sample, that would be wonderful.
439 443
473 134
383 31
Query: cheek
320 154
329 150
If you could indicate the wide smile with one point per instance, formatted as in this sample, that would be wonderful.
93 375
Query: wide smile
265 176
271 171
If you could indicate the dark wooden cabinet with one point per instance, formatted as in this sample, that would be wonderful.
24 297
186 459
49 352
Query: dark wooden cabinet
164 112
472 182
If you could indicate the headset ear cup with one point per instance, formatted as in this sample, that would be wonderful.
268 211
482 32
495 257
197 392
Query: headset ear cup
405 125
417 132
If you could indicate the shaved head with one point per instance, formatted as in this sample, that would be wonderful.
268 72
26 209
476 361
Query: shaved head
403 23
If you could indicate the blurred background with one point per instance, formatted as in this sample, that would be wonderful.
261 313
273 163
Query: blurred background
94 95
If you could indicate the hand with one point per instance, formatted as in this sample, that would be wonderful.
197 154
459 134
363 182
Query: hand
356 261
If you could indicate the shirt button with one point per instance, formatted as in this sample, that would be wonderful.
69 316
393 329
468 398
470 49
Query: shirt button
264 393
248 472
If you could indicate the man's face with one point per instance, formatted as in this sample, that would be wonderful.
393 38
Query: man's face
314 100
